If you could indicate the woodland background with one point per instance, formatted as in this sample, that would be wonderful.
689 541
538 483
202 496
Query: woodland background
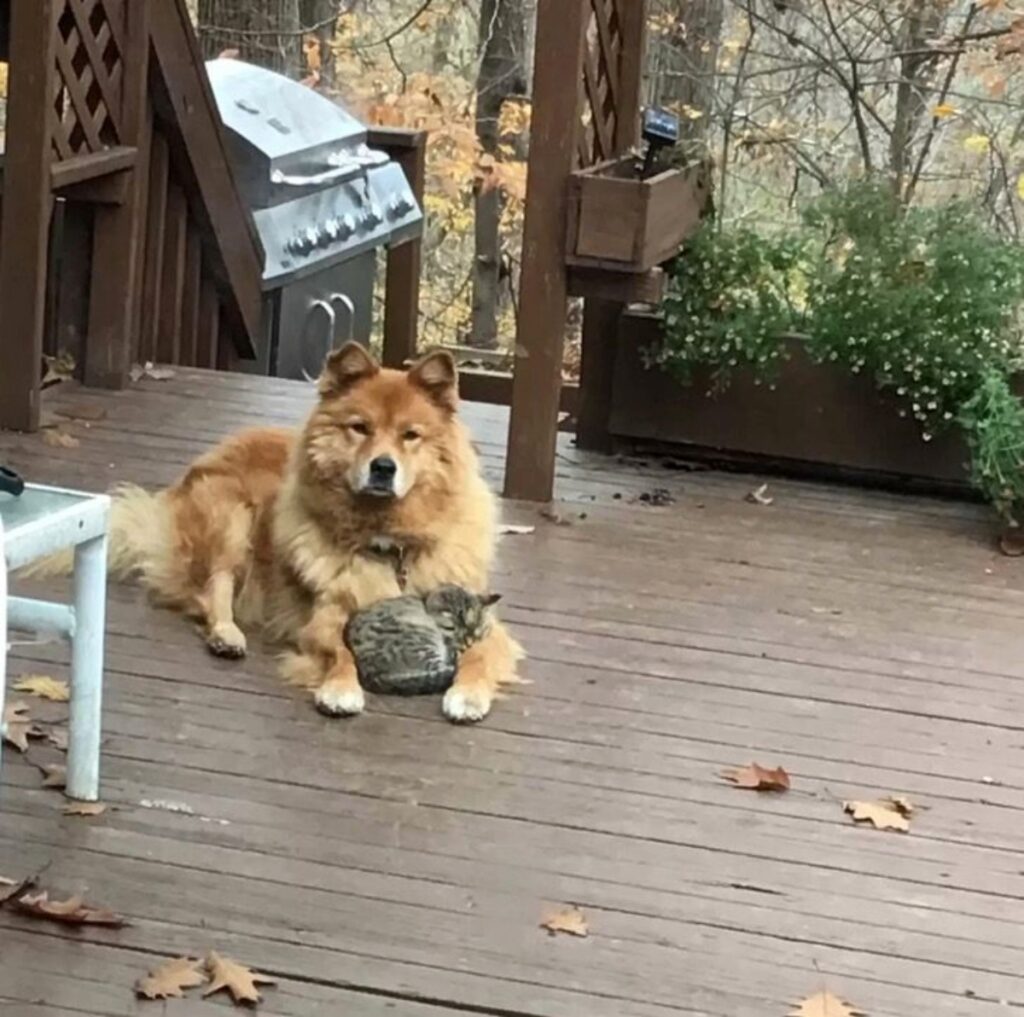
785 97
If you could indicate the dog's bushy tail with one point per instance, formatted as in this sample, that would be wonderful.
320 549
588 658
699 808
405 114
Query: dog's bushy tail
140 537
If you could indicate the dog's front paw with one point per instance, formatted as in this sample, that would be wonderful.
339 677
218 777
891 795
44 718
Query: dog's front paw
336 700
465 704
226 640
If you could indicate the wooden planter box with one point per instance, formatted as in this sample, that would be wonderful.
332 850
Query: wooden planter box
620 223
819 418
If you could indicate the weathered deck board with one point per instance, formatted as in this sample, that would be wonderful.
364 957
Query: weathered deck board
396 865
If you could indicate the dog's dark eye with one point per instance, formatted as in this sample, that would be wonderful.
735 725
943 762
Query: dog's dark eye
411 434
358 427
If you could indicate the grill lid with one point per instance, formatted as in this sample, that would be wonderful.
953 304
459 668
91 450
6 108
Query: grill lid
280 121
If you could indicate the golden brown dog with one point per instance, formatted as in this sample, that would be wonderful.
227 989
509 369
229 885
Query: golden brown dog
380 491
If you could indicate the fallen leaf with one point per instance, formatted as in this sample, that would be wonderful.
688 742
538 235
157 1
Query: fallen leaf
54 775
18 727
59 368
239 980
758 778
824 1004
760 496
977 143
58 736
883 815
57 437
15 887
944 110
73 911
569 920
44 687
170 979
151 371
512 529
554 517
903 805
659 497
82 411
85 809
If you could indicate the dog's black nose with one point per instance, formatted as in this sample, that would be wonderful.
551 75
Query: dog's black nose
383 468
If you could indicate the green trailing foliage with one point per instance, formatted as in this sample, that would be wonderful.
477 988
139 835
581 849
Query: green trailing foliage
927 301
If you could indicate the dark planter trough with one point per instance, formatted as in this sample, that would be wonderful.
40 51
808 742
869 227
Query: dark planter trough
819 419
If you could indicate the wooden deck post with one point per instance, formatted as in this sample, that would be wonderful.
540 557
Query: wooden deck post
28 202
543 291
114 300
402 281
601 317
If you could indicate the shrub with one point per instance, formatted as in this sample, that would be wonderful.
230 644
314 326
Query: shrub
926 300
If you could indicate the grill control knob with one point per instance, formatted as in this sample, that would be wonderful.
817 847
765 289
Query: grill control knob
400 205
372 216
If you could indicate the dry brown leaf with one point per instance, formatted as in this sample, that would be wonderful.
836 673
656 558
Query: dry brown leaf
569 920
44 687
59 438
758 778
513 529
760 496
73 911
15 888
85 809
902 804
54 775
58 736
883 815
59 368
18 726
552 516
239 980
824 1004
170 979
151 371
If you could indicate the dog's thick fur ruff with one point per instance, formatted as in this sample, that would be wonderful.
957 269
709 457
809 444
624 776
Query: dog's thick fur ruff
275 528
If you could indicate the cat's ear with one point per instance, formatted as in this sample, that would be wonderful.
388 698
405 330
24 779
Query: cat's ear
490 599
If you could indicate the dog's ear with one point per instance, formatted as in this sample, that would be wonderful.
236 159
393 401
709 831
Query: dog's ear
437 375
344 367
490 599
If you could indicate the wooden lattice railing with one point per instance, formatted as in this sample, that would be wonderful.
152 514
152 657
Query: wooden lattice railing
89 62
612 56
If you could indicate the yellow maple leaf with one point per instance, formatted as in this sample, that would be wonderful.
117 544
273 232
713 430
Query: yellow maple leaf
824 1004
944 110
979 143
884 815
568 919
44 687
1020 187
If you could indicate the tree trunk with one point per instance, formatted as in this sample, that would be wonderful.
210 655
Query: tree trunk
265 32
913 93
502 73
687 63
319 18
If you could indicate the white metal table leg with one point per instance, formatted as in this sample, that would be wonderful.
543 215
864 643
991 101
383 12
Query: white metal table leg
3 632
90 600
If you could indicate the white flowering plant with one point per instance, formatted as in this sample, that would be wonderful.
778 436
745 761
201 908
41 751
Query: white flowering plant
926 300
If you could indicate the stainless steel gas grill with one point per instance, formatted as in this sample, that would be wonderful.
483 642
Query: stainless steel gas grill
324 202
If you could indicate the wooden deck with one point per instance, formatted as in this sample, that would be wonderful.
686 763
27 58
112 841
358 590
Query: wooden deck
396 865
